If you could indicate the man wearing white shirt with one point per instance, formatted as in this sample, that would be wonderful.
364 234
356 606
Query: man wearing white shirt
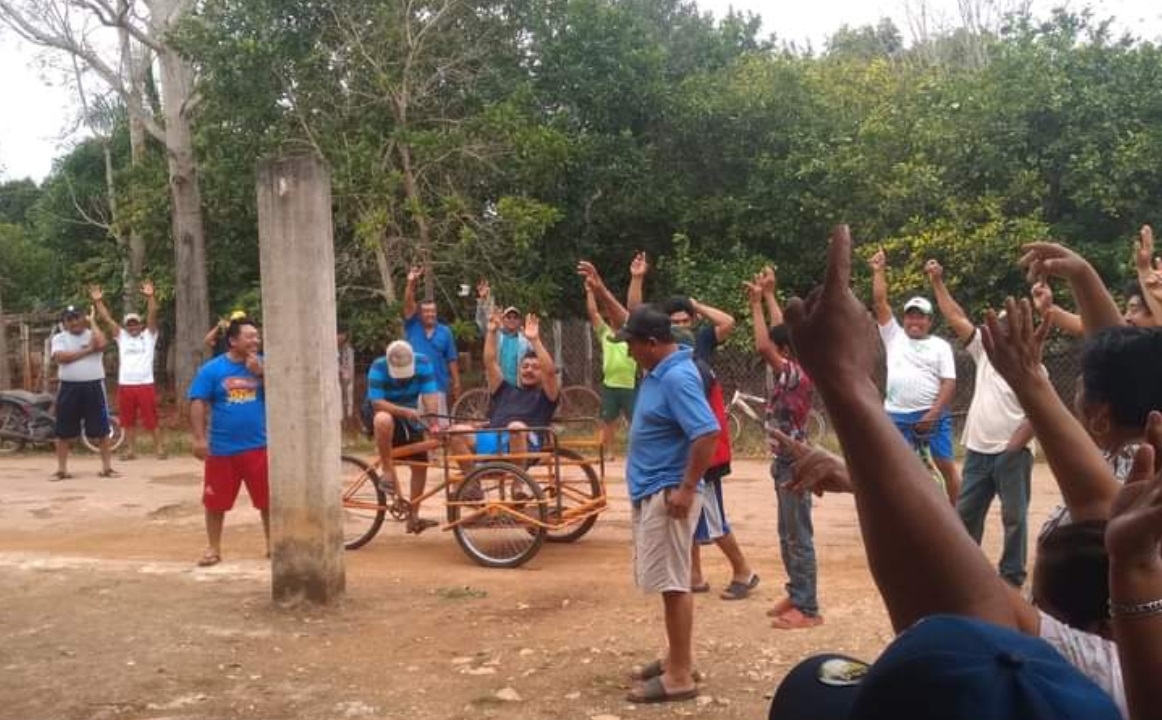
136 346
80 400
921 374
998 461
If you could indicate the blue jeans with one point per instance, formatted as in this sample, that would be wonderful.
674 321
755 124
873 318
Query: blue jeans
796 540
1008 475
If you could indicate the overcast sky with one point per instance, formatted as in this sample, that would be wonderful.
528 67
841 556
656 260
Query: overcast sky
38 120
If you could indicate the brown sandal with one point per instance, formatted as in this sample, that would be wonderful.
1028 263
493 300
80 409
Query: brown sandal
209 558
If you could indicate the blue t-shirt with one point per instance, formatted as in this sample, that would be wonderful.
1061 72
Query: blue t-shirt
405 393
237 403
440 348
671 412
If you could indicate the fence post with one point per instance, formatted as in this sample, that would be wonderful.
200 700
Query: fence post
26 356
557 346
588 354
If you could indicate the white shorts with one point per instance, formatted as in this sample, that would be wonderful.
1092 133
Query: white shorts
662 544
443 421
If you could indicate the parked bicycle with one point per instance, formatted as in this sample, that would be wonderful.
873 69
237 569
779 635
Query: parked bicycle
746 409
26 419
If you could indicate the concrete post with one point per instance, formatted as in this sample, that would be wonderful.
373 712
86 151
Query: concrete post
297 256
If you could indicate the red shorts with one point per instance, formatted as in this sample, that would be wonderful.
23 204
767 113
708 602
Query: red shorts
132 399
225 475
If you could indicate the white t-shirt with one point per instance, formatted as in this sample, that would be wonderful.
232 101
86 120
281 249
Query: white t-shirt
995 413
90 367
136 357
915 369
1092 655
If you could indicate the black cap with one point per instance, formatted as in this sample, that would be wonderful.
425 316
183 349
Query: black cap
70 312
646 322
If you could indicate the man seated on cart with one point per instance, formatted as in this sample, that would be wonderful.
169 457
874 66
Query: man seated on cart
397 384
514 409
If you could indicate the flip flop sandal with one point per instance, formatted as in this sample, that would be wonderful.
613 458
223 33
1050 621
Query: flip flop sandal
656 669
653 691
58 476
110 473
739 590
209 558
700 588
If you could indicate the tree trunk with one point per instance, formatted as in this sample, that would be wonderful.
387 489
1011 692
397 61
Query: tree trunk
383 263
134 66
192 302
412 191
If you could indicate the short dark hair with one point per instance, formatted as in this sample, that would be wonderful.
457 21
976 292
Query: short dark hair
235 327
1072 573
678 303
1133 289
529 354
1119 366
780 335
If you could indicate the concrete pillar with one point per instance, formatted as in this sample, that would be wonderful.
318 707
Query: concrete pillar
303 402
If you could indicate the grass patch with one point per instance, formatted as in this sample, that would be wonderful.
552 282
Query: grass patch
461 593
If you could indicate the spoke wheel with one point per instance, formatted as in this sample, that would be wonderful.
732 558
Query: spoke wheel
576 490
472 406
577 402
494 511
364 503
116 437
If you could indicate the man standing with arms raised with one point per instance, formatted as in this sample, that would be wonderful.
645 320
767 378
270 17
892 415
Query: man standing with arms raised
672 442
921 374
80 401
433 339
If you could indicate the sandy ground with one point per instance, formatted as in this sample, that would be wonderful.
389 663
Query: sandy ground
105 616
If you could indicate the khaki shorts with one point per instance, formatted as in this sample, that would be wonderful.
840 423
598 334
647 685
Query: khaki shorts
661 544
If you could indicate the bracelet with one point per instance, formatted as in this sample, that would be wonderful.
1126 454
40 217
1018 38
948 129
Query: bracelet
1135 610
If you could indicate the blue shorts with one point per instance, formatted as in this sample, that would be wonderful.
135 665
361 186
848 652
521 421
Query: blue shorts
81 405
712 522
495 442
940 441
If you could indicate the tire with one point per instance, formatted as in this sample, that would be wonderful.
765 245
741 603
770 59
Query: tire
12 420
364 503
472 405
735 428
578 402
815 427
499 539
581 486
116 436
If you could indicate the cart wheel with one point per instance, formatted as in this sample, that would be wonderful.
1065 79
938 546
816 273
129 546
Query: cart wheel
494 510
578 486
364 502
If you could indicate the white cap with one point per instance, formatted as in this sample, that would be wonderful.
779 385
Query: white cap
401 360
919 303
131 317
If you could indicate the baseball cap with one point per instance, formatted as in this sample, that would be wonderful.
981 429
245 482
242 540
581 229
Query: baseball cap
401 360
947 667
510 310
238 315
70 311
645 322
131 317
919 303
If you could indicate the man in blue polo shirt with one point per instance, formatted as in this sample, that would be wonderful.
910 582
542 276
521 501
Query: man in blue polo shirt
433 339
396 385
672 441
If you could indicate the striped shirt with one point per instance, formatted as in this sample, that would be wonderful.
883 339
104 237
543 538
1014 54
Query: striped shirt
405 393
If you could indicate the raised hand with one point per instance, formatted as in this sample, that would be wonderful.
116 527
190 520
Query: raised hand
1051 259
1134 531
532 328
833 334
639 266
1144 250
879 261
754 290
96 294
767 279
1042 297
483 289
495 320
1014 346
934 270
415 273
147 288
589 274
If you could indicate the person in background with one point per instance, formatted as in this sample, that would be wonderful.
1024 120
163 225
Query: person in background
684 311
80 402
618 376
511 344
216 339
432 339
346 371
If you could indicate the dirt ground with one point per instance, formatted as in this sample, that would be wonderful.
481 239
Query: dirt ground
105 616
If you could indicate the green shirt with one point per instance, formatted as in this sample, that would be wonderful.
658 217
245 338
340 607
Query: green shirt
617 367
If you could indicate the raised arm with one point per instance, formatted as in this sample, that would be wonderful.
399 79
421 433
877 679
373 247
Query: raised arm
763 344
612 310
591 309
1095 304
409 292
1147 274
1057 316
211 338
98 298
1086 481
949 308
549 381
879 267
768 281
637 277
484 305
147 290
493 373
902 513
100 341
722 321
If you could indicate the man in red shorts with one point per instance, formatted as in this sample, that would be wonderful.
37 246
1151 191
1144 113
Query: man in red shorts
230 387
135 350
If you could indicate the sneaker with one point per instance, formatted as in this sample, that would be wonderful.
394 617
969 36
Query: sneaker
795 619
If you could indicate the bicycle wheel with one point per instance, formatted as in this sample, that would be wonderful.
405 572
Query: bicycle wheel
116 436
735 428
12 420
364 503
578 401
499 505
578 486
815 427
472 405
